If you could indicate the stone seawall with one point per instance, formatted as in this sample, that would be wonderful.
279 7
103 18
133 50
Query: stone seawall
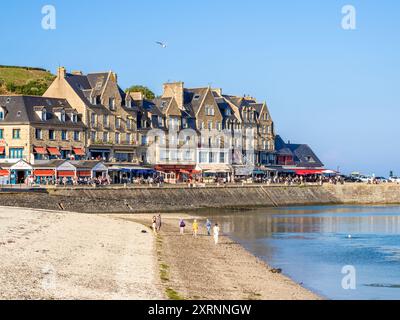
170 199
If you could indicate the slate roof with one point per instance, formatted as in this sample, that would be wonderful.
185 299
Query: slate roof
21 109
301 153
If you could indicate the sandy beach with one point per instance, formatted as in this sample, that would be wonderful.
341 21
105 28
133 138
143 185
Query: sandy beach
196 268
59 255
52 255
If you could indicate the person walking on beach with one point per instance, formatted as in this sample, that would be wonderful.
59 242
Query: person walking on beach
195 228
158 223
154 224
216 233
208 226
182 226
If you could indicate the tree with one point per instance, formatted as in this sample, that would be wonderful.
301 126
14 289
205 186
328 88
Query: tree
147 93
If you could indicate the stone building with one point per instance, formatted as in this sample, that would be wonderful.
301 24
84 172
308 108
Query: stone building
36 128
110 115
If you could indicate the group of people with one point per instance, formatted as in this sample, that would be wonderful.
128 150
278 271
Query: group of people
156 226
195 229
64 181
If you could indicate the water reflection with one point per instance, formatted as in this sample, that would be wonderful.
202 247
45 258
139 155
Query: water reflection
311 244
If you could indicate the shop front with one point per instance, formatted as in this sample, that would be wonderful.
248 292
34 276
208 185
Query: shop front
4 176
218 172
19 172
177 173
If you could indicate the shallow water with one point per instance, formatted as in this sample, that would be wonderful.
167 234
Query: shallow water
312 245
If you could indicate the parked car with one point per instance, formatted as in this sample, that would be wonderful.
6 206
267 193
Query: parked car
351 179
381 179
394 180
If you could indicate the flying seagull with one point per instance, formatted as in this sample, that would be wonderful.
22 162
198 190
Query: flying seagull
163 45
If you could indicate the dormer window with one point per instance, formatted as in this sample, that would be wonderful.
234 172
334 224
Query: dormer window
2 113
228 112
74 118
129 103
93 100
196 97
62 116
44 114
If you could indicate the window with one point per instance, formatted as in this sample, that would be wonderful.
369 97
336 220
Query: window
105 120
93 119
64 135
44 115
196 97
117 137
129 103
144 140
16 153
128 124
203 157
117 123
222 157
93 100
128 138
51 135
105 136
210 110
228 112
16 134
219 126
76 135
211 157
74 118
1 133
62 116
187 155
1 115
93 136
111 103
210 125
38 134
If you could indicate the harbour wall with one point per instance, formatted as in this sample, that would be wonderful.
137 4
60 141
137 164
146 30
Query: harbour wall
172 199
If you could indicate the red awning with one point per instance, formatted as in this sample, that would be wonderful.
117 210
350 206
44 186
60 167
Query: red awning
84 174
2 150
66 173
79 151
40 150
43 173
308 171
4 173
54 151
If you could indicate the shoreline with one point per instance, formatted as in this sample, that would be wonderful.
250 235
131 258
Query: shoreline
195 269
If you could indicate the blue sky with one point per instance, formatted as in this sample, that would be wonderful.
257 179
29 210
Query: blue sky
337 90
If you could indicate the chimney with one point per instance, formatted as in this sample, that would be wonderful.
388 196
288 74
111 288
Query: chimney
61 72
218 91
114 77
136 96
174 90
77 72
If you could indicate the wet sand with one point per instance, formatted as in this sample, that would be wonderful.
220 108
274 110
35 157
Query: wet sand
196 268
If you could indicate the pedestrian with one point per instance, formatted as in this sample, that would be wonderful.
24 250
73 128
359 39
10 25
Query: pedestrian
154 224
195 228
182 226
158 223
208 226
216 233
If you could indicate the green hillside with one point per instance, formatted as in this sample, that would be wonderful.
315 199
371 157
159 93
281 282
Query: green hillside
24 80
